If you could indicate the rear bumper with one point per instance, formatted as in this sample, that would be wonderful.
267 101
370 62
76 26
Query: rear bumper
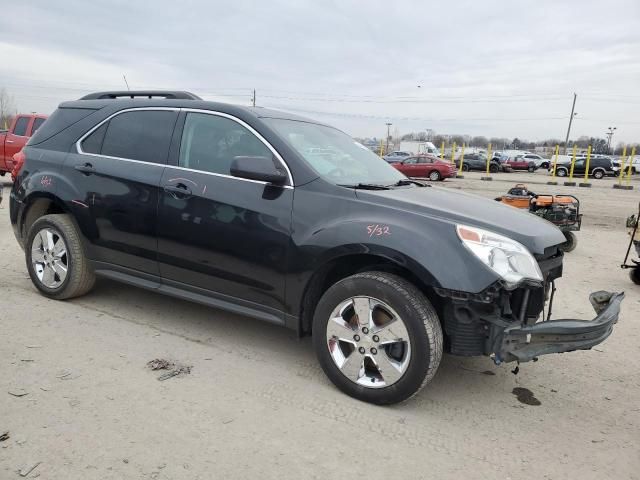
523 343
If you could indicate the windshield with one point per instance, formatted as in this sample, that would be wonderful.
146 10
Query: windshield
334 155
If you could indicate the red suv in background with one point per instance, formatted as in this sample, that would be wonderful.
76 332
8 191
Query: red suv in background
426 166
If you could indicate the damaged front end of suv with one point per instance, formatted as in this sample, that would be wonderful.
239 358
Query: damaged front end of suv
503 321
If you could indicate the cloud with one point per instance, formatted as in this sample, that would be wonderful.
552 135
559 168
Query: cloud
488 68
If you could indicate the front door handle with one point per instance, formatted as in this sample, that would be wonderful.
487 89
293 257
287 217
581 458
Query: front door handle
87 168
178 190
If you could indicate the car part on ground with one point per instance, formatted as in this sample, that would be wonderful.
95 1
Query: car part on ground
561 210
294 223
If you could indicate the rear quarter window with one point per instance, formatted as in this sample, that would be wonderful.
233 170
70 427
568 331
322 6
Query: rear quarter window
61 119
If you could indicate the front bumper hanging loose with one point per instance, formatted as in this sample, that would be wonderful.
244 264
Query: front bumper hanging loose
523 343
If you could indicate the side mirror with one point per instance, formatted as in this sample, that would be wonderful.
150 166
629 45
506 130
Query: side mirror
262 169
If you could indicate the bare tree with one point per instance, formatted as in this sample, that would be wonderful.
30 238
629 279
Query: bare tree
7 107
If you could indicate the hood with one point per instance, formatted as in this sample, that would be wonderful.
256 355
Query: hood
463 208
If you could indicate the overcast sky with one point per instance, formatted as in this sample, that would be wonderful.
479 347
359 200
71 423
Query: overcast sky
484 67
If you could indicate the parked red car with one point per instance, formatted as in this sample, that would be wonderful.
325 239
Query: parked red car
426 166
12 141
519 162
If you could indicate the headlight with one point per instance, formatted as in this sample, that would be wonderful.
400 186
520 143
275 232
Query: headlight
508 258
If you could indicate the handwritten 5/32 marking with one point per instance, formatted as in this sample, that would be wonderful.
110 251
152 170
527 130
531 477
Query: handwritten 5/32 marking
378 230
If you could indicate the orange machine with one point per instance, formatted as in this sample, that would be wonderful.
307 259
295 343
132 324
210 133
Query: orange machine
561 210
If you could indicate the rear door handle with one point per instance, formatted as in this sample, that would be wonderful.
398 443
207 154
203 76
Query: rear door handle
10 141
87 168
178 190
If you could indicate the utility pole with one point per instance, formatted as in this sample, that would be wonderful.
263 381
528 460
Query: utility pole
566 140
387 148
610 135
125 82
253 99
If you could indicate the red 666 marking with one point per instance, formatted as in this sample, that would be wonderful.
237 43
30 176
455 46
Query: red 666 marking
378 230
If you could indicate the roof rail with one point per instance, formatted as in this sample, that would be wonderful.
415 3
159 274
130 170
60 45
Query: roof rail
173 95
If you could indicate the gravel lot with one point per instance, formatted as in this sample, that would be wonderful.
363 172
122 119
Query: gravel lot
256 405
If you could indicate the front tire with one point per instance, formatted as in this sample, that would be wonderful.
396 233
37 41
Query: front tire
377 337
493 168
634 275
55 258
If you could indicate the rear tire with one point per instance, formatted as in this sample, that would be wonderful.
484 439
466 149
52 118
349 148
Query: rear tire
435 176
352 352
55 258
571 243
561 172
465 168
598 174
531 168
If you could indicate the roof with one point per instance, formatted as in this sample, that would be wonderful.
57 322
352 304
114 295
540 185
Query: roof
175 99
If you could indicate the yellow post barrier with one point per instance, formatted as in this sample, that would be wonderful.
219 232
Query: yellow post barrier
461 162
442 151
622 166
453 153
571 183
586 170
628 177
488 177
381 148
555 165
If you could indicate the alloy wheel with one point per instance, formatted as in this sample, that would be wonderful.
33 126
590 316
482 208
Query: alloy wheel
49 258
368 342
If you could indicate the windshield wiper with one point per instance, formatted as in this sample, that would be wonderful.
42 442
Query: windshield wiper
367 186
408 181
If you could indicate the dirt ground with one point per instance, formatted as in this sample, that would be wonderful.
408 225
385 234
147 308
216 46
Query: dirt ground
256 405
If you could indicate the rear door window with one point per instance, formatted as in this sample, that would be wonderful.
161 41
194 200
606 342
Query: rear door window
21 126
142 135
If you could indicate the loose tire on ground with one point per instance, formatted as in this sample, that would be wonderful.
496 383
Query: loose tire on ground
79 277
419 323
571 243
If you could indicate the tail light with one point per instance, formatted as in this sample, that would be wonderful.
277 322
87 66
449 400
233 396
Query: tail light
18 162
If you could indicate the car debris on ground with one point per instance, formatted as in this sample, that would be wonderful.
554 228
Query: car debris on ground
174 369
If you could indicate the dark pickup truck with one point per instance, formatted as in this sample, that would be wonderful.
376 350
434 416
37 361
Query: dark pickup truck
229 206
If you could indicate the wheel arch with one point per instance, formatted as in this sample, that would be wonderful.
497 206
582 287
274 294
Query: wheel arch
341 267
36 205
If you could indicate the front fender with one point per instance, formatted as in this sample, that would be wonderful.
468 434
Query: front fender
433 253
